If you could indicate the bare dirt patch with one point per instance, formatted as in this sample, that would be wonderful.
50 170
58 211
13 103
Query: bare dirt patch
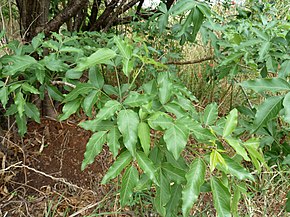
45 168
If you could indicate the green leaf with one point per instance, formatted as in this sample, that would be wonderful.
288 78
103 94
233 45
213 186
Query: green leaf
94 147
267 84
252 146
95 77
286 160
197 20
128 121
125 49
21 124
238 148
162 193
160 121
147 166
288 202
20 102
215 158
176 138
232 57
82 88
182 6
90 100
32 111
99 57
69 109
54 93
165 87
235 201
264 50
20 64
122 161
285 69
175 109
135 99
4 96
96 125
210 114
234 168
144 136
231 123
108 110
73 74
286 105
173 203
268 110
173 173
221 197
113 140
128 66
27 87
194 179
129 181
200 133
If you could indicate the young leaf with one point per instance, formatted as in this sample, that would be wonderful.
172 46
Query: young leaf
32 111
268 110
128 121
113 140
108 110
147 166
94 147
82 88
267 84
238 148
69 109
144 136
210 114
122 161
194 180
129 181
215 158
231 123
176 138
221 197
100 56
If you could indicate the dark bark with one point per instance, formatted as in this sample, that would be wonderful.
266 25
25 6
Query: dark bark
33 15
94 13
67 13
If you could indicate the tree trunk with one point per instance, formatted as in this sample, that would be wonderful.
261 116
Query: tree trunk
33 15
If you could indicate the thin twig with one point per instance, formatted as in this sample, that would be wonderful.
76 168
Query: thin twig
63 83
190 61
54 178
246 96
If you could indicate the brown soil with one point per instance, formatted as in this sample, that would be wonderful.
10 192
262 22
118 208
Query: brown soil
48 165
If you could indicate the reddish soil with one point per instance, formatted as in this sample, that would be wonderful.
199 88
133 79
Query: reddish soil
48 163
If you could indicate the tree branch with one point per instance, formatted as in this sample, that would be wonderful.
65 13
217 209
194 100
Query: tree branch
70 11
191 61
